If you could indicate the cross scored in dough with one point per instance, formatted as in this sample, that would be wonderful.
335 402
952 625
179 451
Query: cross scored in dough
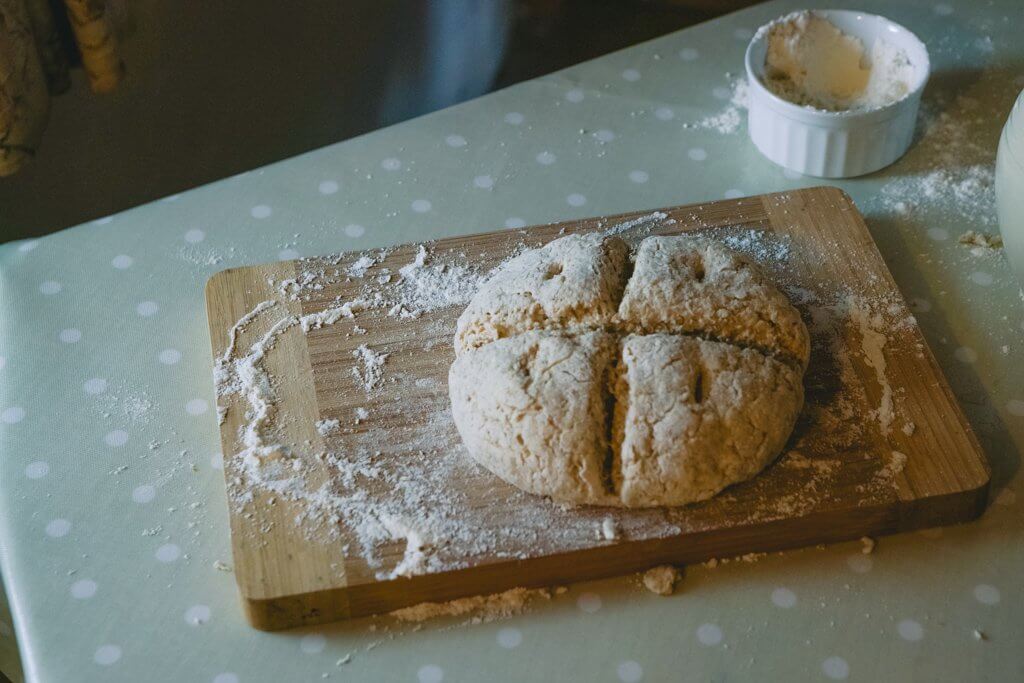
589 378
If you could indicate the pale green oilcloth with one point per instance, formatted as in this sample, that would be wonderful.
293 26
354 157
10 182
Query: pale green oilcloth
112 506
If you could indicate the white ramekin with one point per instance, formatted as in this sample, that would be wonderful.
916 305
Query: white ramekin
840 144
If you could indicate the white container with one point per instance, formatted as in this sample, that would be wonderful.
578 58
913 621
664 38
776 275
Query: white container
836 144
1010 187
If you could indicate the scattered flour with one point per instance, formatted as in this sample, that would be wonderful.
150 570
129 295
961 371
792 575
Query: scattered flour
873 340
728 120
328 427
371 372
981 244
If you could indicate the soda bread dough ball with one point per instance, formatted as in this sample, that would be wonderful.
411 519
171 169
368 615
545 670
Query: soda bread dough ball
578 379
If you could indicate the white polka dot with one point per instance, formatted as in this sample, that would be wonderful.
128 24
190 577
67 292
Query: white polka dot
1006 497
574 95
37 469
509 638
288 255
980 277
50 287
920 305
938 234
943 9
910 630
70 335
721 92
421 205
226 677
313 643
514 118
147 308
170 356
122 261
664 114
639 176
25 247
688 54
102 221
783 597
144 494
83 589
455 141
576 199
194 236
354 230
484 182
986 594
96 385
106 655
743 33
604 135
709 634
589 602
261 211
1015 407
631 75
430 673
733 194
514 222
697 154
58 528
12 415
546 158
835 668
630 672
115 438
965 354
217 461
197 615
167 553
391 164
327 187
196 406
860 563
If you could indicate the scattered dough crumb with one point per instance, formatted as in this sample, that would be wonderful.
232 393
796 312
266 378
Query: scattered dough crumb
712 563
484 608
980 243
867 545
980 635
221 566
661 580
609 529
344 660
908 428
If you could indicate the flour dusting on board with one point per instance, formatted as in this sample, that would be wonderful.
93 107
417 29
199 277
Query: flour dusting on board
384 472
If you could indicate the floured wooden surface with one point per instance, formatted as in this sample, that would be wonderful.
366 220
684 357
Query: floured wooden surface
345 470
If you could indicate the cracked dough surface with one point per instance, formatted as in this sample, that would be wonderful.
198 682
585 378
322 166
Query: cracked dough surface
577 379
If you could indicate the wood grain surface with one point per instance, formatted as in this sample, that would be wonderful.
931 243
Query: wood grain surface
842 476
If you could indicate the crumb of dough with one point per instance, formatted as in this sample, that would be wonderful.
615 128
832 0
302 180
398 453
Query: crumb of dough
980 242
661 580
867 545
609 529
908 428
221 566
980 635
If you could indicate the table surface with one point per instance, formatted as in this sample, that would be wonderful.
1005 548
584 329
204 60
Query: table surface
112 505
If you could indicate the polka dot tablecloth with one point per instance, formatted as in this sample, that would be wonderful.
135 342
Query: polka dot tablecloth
113 525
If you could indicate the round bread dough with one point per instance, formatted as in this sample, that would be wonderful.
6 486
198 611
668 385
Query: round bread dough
590 379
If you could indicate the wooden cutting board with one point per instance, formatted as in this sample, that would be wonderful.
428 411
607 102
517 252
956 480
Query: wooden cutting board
881 446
